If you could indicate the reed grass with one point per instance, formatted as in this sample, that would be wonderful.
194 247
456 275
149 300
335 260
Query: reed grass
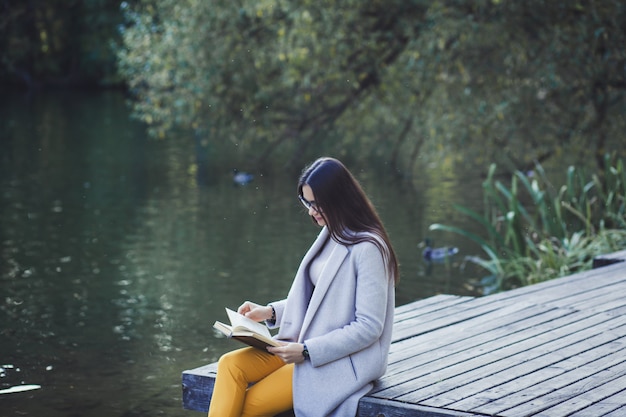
533 231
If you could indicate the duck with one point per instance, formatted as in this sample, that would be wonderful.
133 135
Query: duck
437 254
242 178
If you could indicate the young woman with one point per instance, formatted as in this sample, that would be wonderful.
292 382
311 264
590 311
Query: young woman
336 321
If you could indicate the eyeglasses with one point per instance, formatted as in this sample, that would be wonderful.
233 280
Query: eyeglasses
309 204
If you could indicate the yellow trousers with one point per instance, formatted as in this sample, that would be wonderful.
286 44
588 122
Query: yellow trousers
271 391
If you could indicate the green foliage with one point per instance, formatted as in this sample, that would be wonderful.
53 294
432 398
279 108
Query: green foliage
533 232
511 82
264 73
58 42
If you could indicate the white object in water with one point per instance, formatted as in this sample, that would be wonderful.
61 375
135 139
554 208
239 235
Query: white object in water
19 388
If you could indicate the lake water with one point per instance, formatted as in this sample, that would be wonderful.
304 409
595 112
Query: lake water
115 259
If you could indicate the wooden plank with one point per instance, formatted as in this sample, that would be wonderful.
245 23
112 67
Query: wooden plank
586 296
475 332
549 379
557 396
374 407
554 290
436 302
472 333
620 412
418 318
430 381
423 370
569 297
486 369
609 300
497 328
606 407
197 385
447 345
416 322
454 315
585 398
502 385
473 328
609 259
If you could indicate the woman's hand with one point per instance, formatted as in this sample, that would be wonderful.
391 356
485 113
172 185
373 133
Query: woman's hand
289 353
255 311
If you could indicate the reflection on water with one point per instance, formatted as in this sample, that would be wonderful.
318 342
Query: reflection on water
115 260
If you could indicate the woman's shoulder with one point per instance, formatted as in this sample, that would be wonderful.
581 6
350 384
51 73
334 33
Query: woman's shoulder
360 241
367 241
369 237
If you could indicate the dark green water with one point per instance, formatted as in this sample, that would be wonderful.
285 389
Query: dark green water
115 260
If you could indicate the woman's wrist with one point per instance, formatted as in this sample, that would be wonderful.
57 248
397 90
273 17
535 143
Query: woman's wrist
272 314
305 352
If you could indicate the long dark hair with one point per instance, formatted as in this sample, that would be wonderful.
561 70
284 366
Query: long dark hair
346 208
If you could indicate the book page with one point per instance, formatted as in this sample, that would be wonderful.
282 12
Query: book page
239 320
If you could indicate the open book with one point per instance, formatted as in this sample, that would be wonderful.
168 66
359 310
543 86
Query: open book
246 331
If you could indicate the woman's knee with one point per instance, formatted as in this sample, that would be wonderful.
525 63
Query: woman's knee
228 362
238 362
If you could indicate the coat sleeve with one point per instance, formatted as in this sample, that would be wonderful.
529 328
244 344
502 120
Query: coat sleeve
370 298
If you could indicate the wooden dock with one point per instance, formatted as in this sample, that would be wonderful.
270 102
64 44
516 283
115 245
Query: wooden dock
553 349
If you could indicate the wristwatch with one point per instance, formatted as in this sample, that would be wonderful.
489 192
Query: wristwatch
305 353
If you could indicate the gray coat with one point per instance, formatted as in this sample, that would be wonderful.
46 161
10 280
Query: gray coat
346 326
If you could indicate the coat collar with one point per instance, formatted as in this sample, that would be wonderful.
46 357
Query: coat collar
336 258
315 247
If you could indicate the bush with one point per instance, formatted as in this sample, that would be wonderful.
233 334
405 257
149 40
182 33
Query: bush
556 232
